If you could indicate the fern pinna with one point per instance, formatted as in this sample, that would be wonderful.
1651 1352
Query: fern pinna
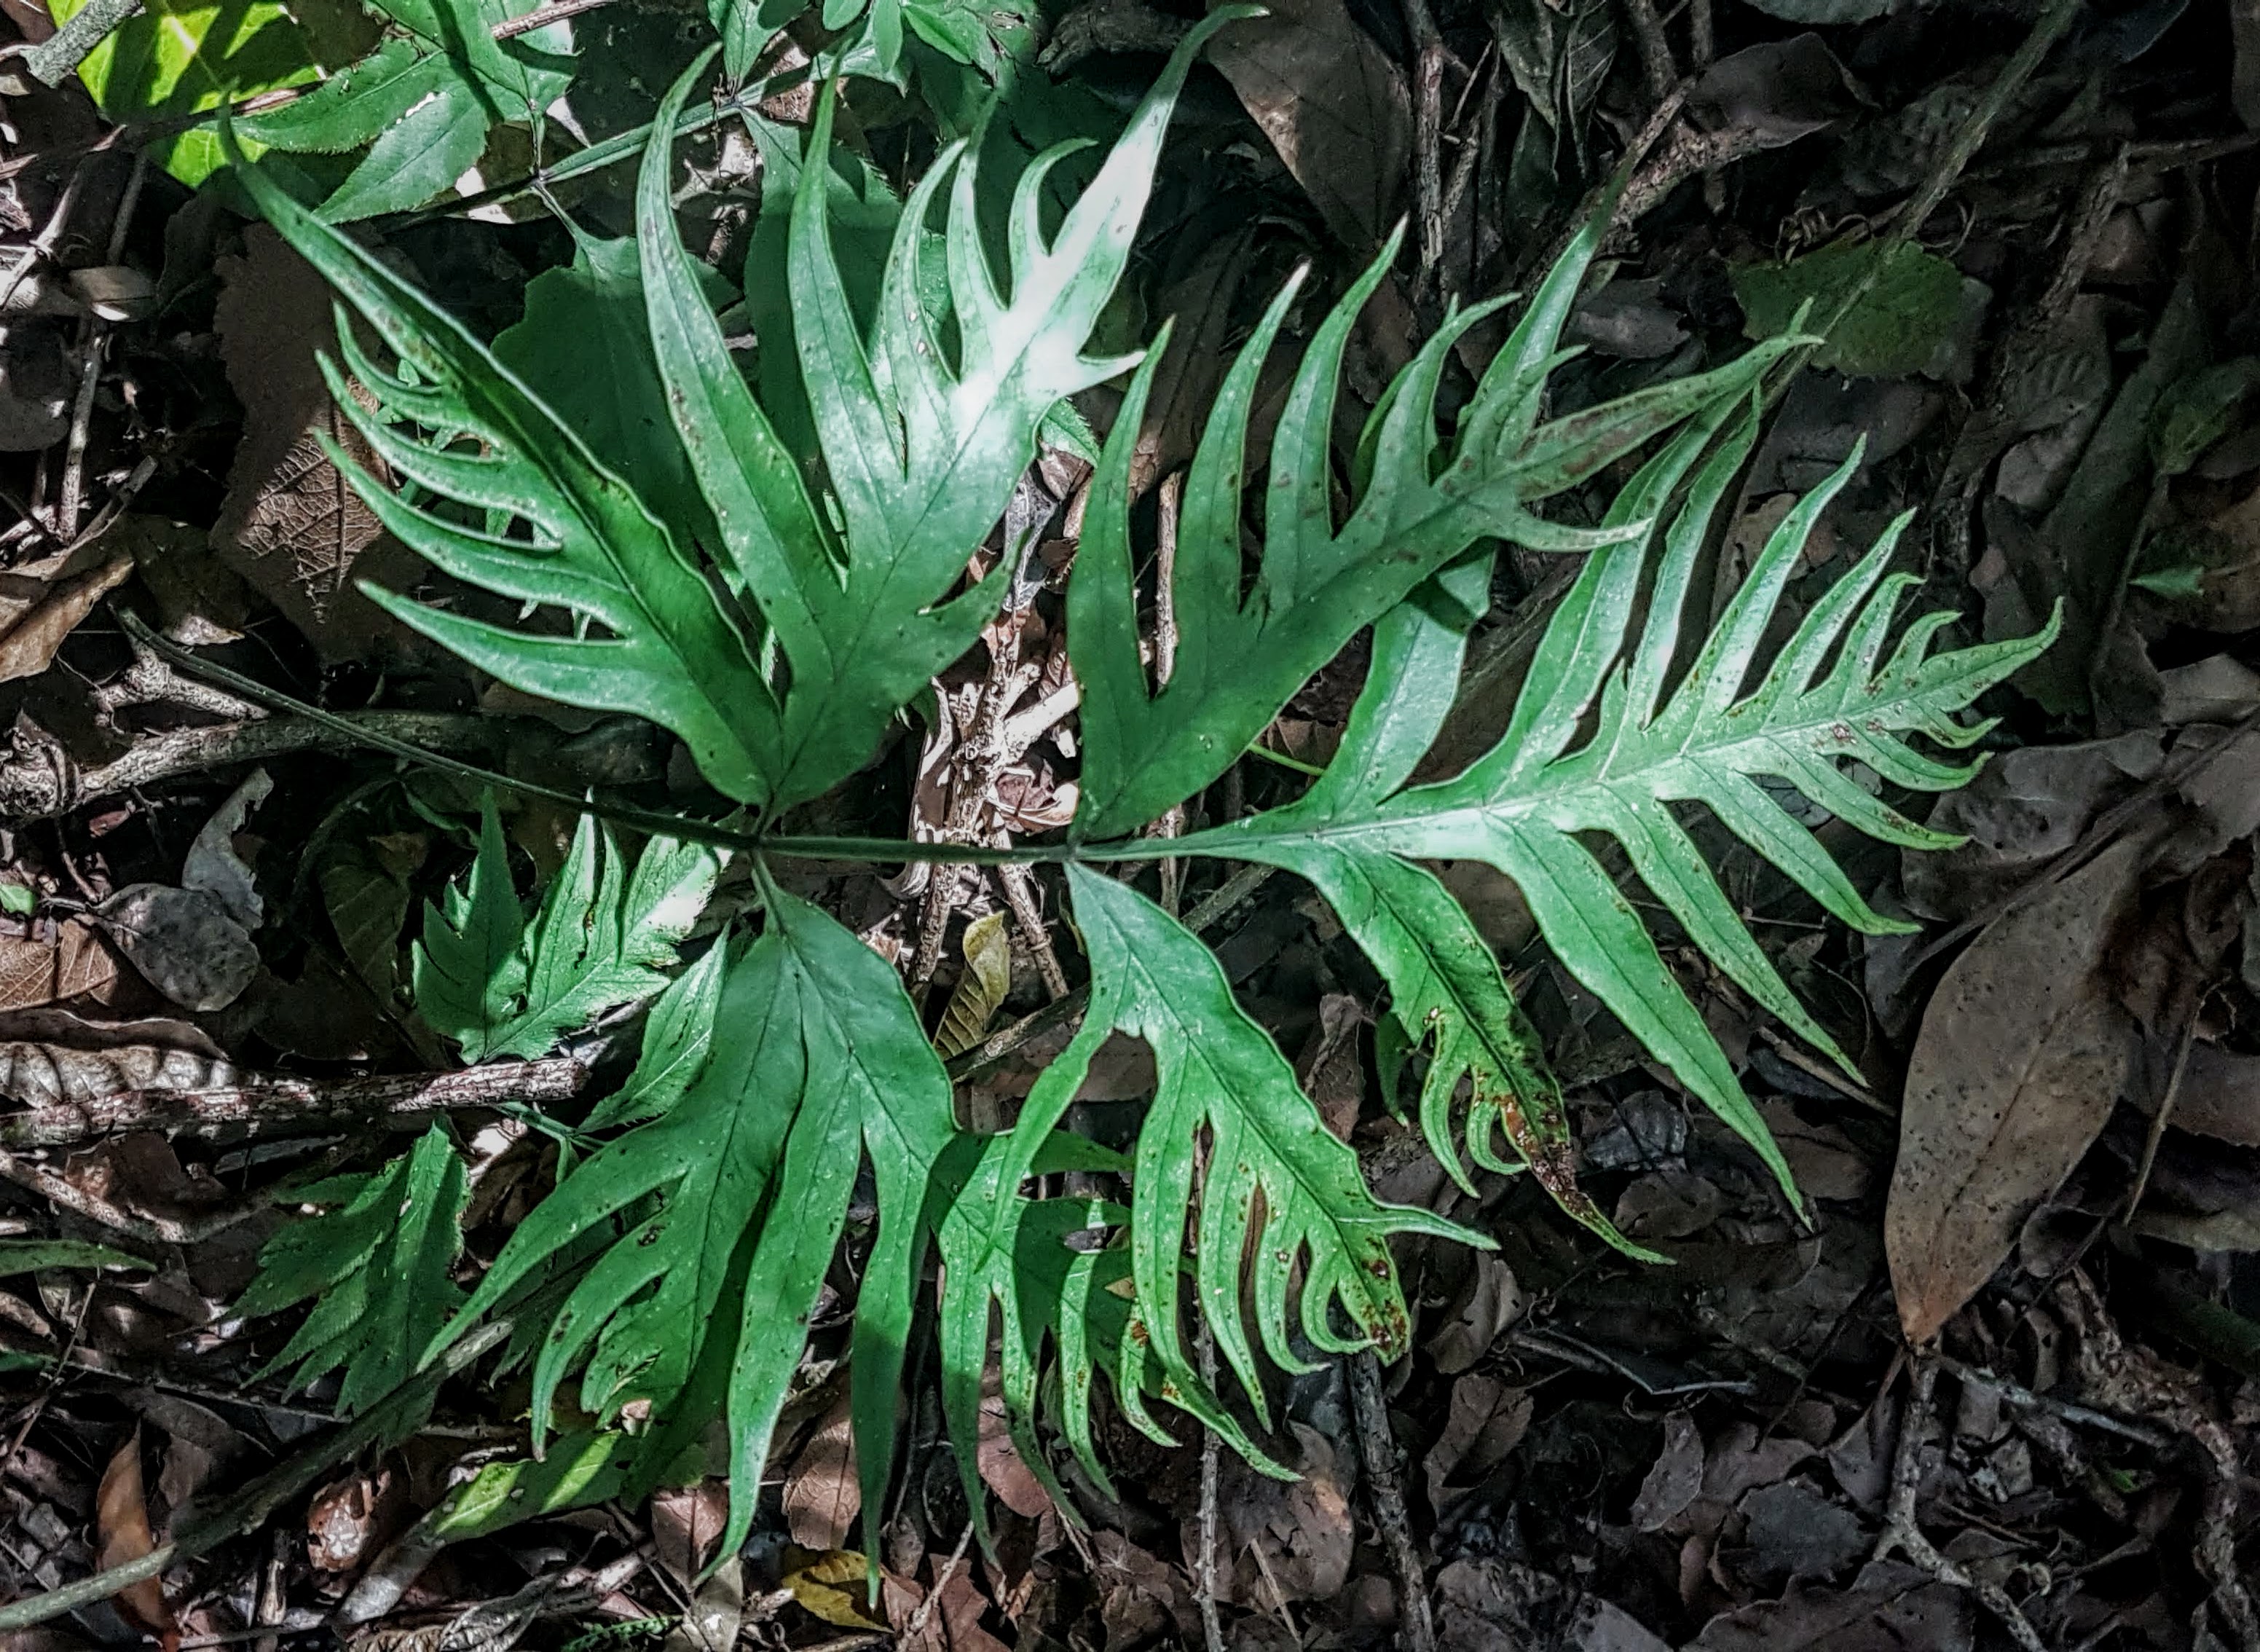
671 1275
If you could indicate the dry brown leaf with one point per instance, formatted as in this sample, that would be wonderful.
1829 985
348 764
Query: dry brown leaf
2020 1057
183 942
353 1517
42 601
822 1496
1184 384
1492 1302
1888 1608
121 1522
1283 1540
685 1522
1333 106
1486 1421
1140 1596
952 1624
290 525
999 1460
72 963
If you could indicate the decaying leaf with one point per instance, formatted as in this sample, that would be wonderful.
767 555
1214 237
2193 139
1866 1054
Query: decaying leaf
183 942
1909 312
1285 1541
1334 106
121 1521
822 1496
41 602
988 977
290 525
2020 1057
40 969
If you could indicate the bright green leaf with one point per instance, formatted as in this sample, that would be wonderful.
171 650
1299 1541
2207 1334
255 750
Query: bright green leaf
184 57
501 985
735 1198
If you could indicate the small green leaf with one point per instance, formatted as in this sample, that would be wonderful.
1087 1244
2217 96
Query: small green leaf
500 986
988 976
1909 310
2182 583
575 1472
2198 412
17 899
677 1040
380 1269
185 57
30 1255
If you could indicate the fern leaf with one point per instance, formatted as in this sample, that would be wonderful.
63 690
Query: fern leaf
674 652
735 1200
500 986
1419 507
1321 1241
921 445
378 1268
1520 806
424 102
1045 1272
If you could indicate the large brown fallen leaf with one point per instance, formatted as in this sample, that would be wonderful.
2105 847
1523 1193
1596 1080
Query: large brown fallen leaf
1333 106
42 601
821 1495
290 525
2022 1054
121 1521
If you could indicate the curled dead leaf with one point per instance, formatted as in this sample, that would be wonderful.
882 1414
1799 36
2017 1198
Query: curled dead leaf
121 1521
42 601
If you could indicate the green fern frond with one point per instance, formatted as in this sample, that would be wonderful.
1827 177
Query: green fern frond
378 1269
499 985
1419 505
733 1202
1520 806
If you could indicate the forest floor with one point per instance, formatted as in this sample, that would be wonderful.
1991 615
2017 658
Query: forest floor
2048 1170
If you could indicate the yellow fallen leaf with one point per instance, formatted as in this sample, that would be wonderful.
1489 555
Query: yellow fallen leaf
831 1584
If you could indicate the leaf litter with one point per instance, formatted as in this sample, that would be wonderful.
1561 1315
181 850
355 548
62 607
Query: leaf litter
2035 1158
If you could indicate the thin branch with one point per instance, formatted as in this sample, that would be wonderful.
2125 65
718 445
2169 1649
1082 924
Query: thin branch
391 1102
1384 1474
53 59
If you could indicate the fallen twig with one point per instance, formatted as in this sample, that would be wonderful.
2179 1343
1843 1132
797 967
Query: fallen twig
41 781
393 1102
1385 1475
1903 1536
200 1532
